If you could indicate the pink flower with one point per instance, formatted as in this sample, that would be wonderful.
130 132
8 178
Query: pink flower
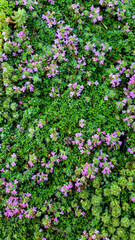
81 125
14 192
13 164
8 190
94 20
71 94
133 199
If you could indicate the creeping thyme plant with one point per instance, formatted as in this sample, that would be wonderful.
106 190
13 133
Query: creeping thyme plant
67 120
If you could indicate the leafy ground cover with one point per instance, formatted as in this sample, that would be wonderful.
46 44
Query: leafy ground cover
67 133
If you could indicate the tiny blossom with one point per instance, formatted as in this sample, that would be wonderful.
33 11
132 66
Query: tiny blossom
13 155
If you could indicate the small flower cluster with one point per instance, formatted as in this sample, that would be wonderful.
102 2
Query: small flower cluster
87 171
79 212
46 221
11 187
33 160
131 151
53 134
101 160
81 62
11 162
28 3
94 14
50 20
51 2
78 89
21 35
79 140
54 92
50 207
98 56
75 7
59 52
52 70
109 4
120 14
89 83
18 206
32 131
49 166
94 236
96 140
81 123
66 188
64 36
22 90
40 177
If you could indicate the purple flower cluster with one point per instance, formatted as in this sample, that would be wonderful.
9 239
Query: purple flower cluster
75 7
51 2
81 62
64 36
66 188
52 70
49 167
81 123
40 177
96 140
94 236
46 221
19 206
29 4
50 20
94 14
54 135
54 92
98 56
59 52
120 14
79 212
75 89
28 85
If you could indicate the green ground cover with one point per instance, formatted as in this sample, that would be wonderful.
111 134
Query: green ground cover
67 129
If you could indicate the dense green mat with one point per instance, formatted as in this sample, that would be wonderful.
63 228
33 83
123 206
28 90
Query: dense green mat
67 129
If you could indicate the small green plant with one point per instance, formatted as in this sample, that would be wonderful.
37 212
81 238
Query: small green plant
20 17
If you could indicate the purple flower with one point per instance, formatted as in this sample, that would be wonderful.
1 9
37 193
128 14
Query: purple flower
133 199
94 20
71 94
23 76
13 164
13 155
14 192
31 8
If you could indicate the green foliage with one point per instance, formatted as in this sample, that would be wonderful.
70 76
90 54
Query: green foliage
74 183
96 200
86 204
115 189
20 17
125 222
84 194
